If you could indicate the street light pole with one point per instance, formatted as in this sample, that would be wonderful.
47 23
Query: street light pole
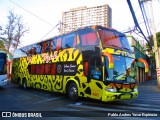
155 50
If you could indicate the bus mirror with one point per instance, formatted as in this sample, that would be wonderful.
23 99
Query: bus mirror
110 59
143 61
111 65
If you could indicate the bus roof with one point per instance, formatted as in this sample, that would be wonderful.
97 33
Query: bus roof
91 26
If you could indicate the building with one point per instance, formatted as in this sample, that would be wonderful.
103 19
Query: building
138 49
83 16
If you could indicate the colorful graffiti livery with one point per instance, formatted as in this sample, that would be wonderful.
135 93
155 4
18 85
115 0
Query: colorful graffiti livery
82 63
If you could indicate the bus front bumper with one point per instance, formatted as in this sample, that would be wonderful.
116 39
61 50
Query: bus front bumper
111 96
3 82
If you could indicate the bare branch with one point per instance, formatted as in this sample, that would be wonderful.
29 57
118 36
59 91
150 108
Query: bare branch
13 31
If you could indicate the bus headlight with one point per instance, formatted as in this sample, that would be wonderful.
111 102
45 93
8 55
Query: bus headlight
135 89
111 90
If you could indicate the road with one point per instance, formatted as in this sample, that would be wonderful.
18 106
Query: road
57 106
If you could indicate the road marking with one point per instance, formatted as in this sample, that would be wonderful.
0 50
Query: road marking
51 99
116 107
23 97
32 94
94 108
46 99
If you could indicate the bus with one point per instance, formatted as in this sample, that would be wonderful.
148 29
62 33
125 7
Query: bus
3 68
93 62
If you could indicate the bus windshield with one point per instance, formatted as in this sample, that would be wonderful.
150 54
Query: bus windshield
3 64
112 38
123 71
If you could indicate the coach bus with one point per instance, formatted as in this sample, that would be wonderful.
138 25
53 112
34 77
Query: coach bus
93 62
3 68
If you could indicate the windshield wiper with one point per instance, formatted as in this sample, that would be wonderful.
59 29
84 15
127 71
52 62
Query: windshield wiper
117 75
115 46
126 48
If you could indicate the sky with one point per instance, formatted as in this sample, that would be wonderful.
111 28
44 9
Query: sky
49 14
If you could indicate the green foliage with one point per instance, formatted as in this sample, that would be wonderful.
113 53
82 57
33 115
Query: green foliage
151 39
158 38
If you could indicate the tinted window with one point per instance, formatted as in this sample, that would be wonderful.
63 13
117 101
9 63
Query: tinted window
123 69
69 40
3 63
42 69
95 66
44 45
56 43
88 37
38 48
112 38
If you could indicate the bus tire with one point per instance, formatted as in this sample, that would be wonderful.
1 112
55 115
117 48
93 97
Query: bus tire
19 83
24 84
72 91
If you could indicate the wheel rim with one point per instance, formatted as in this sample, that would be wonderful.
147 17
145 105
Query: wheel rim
73 91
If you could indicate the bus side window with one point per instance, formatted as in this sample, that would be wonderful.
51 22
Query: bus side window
53 44
33 69
96 67
47 69
88 37
38 49
53 69
68 40
58 45
48 46
30 52
92 38
33 50
44 47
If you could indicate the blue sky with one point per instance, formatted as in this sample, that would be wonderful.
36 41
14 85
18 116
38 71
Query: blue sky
51 11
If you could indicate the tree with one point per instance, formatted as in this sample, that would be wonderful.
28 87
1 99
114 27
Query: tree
158 39
11 34
151 42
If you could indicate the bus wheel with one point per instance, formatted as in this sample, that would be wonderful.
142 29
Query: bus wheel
72 91
19 82
24 84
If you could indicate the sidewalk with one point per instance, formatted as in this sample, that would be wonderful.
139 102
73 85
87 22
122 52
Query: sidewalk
149 86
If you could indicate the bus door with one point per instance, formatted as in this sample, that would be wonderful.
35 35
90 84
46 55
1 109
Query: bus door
95 82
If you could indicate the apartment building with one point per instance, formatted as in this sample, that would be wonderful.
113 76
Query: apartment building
83 16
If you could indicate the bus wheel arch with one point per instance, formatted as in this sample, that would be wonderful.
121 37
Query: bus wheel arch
19 82
72 90
24 83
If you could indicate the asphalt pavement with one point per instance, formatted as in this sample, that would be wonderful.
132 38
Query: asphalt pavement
13 98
